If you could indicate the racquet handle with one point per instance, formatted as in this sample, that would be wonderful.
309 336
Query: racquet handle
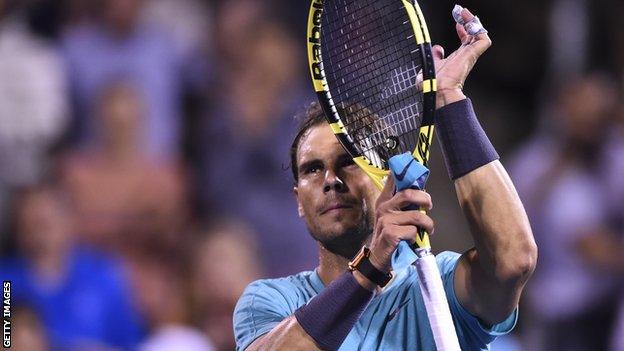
408 173
436 305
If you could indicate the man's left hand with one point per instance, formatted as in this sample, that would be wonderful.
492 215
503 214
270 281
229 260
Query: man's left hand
451 72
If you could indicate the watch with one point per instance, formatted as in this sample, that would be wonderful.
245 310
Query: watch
362 264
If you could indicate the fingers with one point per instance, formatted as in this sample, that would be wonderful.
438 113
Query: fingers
398 220
419 80
470 30
401 226
466 15
406 198
473 25
464 38
392 225
438 52
481 43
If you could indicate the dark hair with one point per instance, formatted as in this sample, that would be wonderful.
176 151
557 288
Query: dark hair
312 116
363 124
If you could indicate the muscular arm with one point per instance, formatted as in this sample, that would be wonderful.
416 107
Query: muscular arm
489 278
288 335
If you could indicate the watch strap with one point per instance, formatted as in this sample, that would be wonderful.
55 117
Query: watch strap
363 265
373 274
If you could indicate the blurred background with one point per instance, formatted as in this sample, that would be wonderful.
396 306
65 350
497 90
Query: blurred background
142 185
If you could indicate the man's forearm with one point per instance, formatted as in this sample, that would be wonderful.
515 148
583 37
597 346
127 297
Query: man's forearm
490 278
325 321
288 335
498 222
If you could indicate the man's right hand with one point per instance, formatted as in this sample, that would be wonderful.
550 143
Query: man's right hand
393 225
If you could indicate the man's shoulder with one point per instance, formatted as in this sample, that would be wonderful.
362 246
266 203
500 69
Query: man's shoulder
447 260
277 297
292 281
292 289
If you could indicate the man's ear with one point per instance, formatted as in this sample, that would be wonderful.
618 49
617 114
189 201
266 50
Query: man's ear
299 207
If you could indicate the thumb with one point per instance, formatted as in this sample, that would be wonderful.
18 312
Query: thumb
438 52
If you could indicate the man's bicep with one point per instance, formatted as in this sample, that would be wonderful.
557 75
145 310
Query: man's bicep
472 331
490 300
479 296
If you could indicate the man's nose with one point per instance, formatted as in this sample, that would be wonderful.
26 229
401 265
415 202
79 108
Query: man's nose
333 182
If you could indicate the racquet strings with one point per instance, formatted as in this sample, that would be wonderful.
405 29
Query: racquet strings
372 62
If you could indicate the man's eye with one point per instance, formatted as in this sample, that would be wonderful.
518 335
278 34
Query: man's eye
313 169
348 162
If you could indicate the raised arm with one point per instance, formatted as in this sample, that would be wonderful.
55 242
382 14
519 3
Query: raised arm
490 277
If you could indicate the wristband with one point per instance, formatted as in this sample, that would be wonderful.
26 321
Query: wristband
329 316
464 144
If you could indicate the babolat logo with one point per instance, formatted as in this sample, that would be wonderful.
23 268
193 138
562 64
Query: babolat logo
314 38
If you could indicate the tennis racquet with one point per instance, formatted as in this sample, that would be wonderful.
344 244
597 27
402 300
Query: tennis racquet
372 68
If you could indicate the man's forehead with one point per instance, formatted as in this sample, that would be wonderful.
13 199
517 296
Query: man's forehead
319 140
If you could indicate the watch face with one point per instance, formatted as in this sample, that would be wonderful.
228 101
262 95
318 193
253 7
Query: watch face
362 254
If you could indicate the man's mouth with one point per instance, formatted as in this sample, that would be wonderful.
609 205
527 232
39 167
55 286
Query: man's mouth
335 206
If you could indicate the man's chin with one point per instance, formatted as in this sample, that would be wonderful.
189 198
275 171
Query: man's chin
346 244
342 233
345 252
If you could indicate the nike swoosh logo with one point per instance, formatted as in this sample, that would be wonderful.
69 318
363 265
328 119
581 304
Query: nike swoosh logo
396 310
401 175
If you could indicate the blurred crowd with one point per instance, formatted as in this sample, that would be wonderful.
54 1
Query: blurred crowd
144 152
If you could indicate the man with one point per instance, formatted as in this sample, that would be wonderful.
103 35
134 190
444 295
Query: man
572 294
71 287
336 308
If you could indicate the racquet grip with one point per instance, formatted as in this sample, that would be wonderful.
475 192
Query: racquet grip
409 173
422 242
436 305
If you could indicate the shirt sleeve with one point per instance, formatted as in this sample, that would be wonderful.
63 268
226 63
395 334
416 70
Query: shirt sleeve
258 311
471 332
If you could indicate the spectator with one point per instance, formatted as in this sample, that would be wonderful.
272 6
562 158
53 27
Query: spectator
117 44
30 335
162 291
225 260
188 21
617 337
566 177
125 199
245 151
81 295
33 106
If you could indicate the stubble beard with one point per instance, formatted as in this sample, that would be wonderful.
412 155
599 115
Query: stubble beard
348 242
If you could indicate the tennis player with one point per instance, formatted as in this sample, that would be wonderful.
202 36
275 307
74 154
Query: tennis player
362 303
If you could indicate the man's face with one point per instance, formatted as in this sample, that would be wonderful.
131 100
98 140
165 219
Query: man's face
335 197
44 226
